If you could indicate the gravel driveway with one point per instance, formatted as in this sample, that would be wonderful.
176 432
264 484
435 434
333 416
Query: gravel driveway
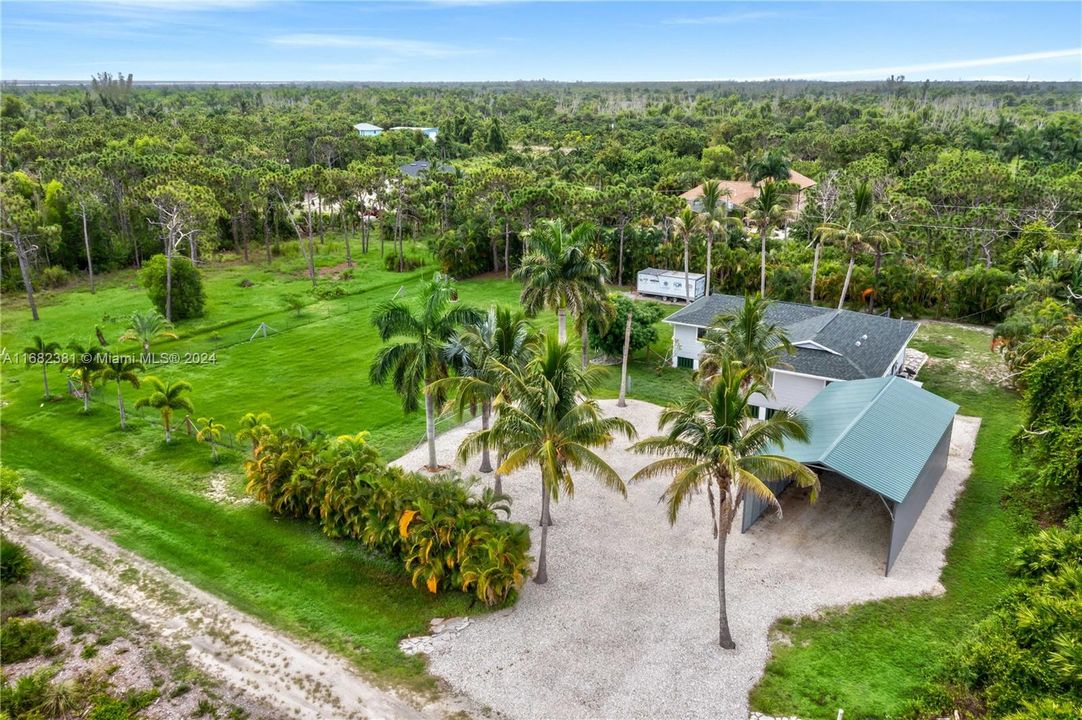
627 625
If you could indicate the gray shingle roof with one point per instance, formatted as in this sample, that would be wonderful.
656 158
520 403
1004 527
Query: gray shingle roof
415 168
858 345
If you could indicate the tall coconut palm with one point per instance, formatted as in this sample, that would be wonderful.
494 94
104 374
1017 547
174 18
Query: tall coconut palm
415 359
120 369
147 326
715 217
768 210
166 397
771 164
45 354
545 420
502 335
559 272
710 443
83 363
685 226
858 233
601 311
748 338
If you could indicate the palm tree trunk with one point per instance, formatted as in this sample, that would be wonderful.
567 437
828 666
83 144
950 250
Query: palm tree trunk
168 430
561 318
725 637
815 271
506 249
622 402
497 481
541 576
620 264
120 407
709 265
687 286
584 340
546 514
762 262
169 281
430 430
86 398
86 242
486 412
848 277
45 379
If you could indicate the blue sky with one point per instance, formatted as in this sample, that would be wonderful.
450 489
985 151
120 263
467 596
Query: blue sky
448 40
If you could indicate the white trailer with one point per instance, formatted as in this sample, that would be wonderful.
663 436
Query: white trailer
669 284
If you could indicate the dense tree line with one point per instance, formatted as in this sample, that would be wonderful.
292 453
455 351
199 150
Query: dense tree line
103 176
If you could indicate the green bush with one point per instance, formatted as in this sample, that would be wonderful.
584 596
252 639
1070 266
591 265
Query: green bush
15 563
644 315
1028 652
445 537
23 698
54 277
974 294
23 638
409 262
188 296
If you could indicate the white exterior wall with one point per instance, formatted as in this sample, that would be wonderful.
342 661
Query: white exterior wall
671 286
685 343
790 390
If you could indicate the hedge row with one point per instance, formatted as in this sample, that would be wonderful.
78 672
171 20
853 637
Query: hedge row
445 536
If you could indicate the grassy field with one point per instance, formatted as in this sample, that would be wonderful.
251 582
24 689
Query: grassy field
869 659
158 499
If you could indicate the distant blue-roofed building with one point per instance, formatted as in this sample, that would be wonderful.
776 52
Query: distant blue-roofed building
368 129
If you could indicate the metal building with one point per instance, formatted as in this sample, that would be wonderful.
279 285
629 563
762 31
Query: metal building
886 434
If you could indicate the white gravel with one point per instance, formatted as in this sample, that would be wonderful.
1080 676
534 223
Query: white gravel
627 625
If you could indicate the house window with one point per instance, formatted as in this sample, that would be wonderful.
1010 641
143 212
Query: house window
770 412
685 362
700 333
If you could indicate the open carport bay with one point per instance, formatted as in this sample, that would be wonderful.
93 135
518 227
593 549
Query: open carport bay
627 625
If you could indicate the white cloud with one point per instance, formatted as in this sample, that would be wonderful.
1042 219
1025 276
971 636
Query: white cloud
729 19
394 46
881 72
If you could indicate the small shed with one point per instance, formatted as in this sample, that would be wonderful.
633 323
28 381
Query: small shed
886 434
669 284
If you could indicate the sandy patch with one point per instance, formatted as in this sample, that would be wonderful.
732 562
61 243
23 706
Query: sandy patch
627 625
296 678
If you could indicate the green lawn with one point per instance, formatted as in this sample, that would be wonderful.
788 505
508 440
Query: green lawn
871 658
152 497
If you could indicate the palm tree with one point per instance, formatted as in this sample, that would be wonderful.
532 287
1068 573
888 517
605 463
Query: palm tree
253 426
84 363
147 326
559 272
209 432
504 336
601 311
544 419
711 444
745 337
416 360
771 164
685 225
44 354
858 232
768 210
715 217
166 398
120 369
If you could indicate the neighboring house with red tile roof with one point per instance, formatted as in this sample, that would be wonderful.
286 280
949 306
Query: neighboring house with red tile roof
740 192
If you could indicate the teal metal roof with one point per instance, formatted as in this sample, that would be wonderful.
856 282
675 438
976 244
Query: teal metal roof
878 432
